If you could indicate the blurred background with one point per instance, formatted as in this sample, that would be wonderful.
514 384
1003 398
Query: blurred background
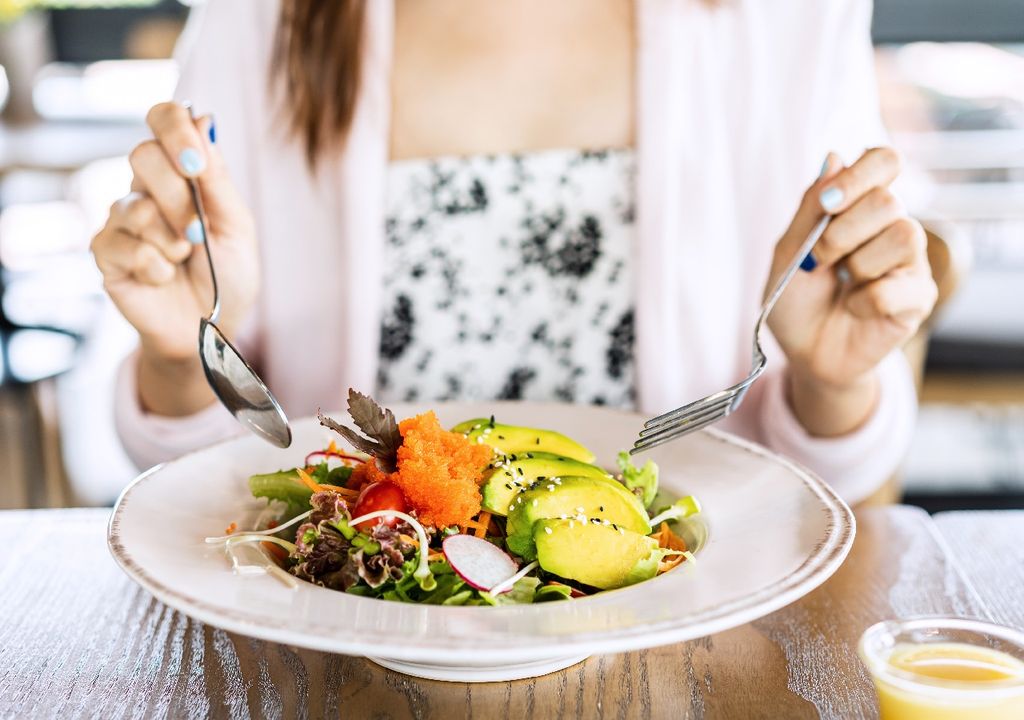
77 76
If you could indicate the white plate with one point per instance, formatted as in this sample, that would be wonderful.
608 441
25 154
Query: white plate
775 532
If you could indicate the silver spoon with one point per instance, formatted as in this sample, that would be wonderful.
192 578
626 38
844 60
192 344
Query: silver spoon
233 380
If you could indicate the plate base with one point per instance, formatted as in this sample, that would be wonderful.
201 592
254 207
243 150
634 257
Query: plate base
479 673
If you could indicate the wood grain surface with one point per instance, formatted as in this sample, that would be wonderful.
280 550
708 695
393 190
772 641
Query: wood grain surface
78 639
989 546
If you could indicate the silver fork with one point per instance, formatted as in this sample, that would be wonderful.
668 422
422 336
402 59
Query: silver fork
713 408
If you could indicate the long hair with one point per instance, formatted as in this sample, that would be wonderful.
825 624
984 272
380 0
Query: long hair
318 59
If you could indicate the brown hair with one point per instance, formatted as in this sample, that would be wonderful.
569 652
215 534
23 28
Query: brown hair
318 58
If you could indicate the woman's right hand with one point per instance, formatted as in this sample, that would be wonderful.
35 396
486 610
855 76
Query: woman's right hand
150 253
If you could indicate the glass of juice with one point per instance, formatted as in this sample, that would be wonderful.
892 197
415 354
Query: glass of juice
940 668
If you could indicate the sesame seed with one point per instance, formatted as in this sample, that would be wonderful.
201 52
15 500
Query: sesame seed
534 503
538 441
563 517
572 524
551 488
579 509
501 437
621 531
520 470
547 529
601 508
511 508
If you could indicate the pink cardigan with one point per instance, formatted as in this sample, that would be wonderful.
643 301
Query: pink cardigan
737 107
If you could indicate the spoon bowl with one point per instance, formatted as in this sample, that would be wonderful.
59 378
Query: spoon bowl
239 388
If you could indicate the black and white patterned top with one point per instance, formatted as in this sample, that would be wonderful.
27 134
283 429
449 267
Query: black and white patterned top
508 277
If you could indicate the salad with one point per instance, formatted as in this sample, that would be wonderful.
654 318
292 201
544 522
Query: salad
481 514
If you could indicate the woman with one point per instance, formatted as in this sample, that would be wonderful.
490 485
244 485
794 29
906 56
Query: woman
577 200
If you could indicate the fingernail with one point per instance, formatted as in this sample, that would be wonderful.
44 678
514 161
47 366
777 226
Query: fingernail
191 161
194 231
821 173
213 131
831 198
809 263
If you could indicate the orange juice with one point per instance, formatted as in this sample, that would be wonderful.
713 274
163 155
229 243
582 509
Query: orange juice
946 669
951 666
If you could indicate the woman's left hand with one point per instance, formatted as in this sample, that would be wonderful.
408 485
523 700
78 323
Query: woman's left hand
868 289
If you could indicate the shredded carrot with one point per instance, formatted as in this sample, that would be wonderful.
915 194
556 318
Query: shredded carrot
307 480
471 525
272 524
668 539
435 556
483 523
231 528
276 550
670 562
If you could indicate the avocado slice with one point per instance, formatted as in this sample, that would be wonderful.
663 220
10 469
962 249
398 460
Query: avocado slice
514 439
514 474
594 553
572 497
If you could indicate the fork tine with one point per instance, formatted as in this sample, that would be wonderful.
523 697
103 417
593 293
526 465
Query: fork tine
648 443
671 417
697 414
712 415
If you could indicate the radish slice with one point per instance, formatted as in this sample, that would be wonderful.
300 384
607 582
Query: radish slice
480 563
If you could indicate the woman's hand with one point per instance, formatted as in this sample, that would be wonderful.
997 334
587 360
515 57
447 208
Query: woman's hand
868 289
153 264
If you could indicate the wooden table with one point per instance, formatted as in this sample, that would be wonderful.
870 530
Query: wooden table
77 639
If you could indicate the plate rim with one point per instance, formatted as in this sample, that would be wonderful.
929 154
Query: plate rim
815 570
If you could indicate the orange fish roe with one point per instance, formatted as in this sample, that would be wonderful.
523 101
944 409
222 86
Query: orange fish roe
439 471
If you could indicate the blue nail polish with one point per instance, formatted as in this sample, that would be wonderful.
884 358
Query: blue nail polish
191 161
821 173
213 131
831 198
194 232
809 263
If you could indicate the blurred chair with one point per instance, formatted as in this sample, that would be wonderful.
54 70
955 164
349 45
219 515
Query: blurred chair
950 259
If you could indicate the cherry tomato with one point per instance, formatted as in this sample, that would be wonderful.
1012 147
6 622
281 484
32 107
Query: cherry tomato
382 495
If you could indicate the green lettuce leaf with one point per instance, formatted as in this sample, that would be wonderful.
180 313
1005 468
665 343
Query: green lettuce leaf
285 486
522 593
644 479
